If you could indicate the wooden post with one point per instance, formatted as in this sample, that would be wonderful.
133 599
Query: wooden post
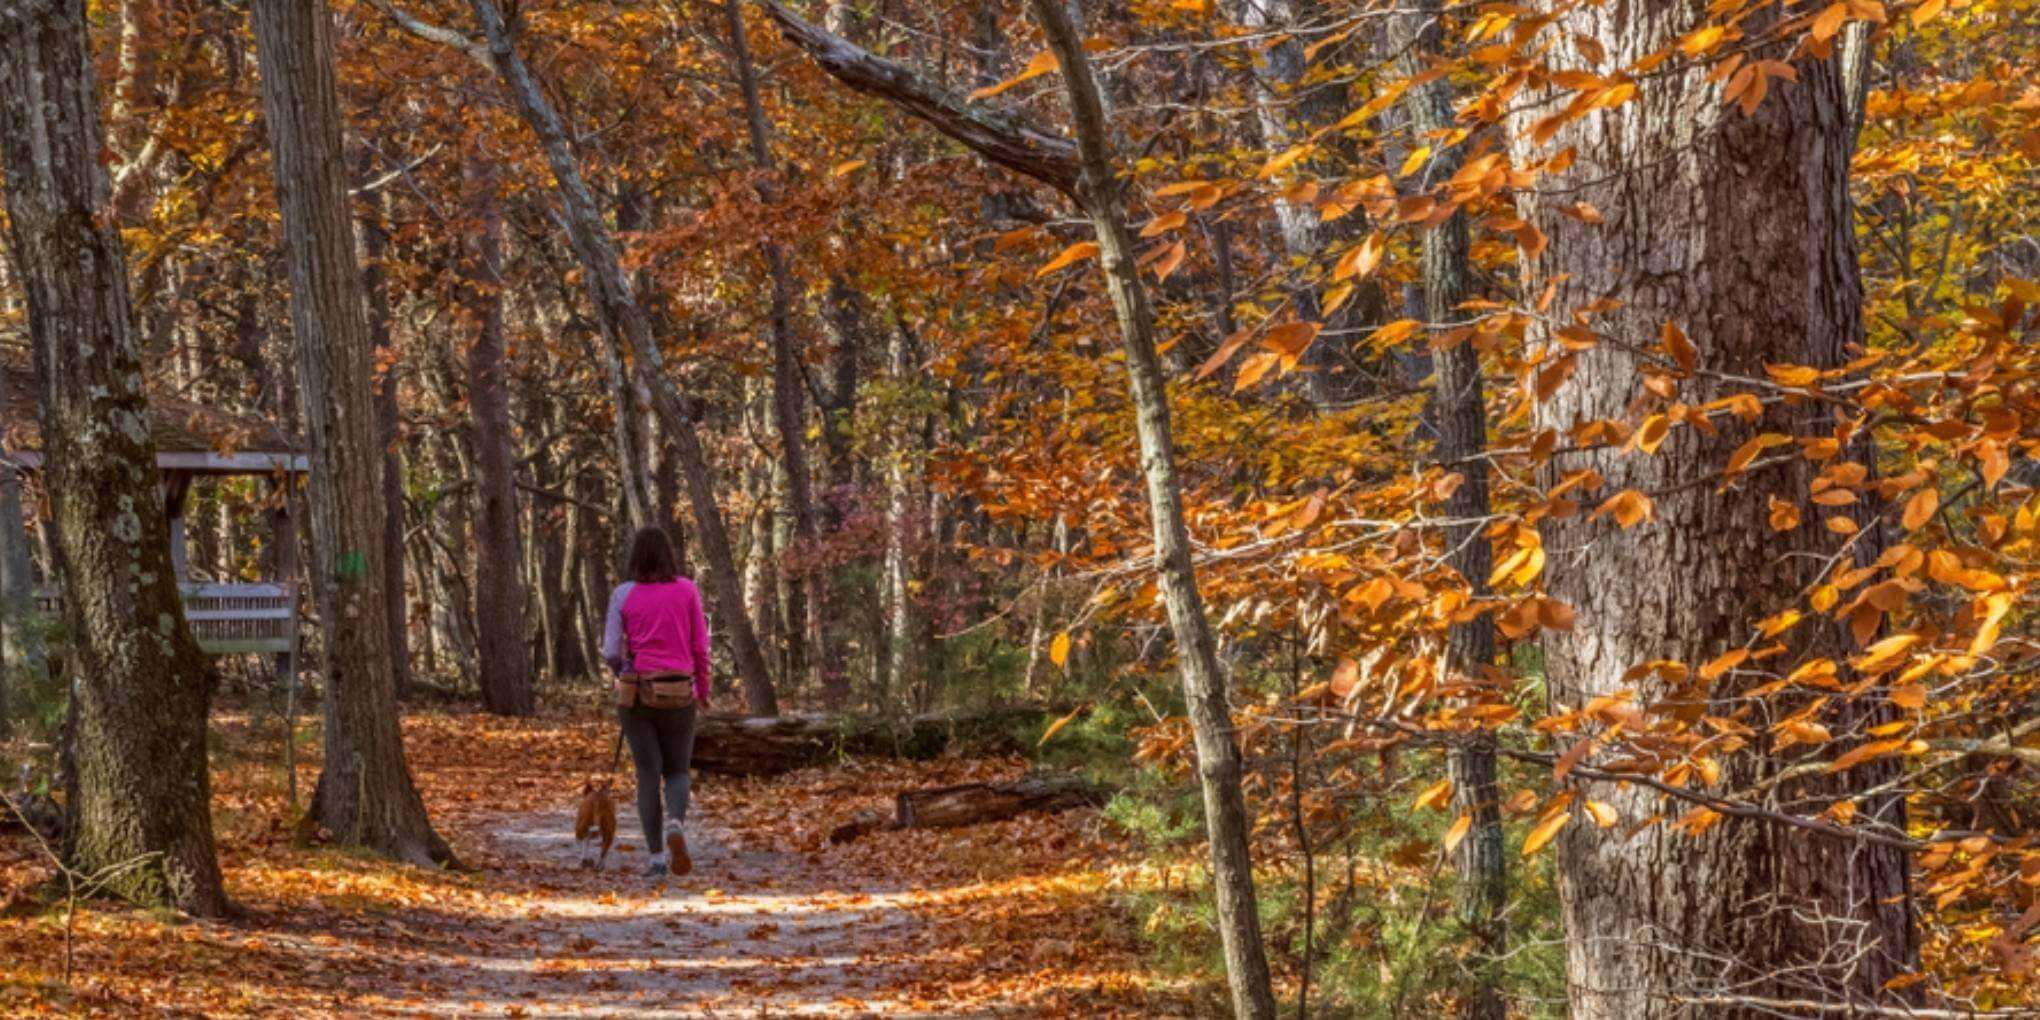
285 540
176 485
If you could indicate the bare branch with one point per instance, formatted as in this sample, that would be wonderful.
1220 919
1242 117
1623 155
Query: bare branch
999 137
474 49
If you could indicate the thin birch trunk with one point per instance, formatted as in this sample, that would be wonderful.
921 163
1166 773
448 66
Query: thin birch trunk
1204 683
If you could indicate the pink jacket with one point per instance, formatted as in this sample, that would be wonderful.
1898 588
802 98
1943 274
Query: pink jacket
658 628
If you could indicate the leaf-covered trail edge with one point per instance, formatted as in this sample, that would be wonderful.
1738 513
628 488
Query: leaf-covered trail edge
1013 919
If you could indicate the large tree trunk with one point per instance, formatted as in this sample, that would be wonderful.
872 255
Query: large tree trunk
1737 229
504 664
365 793
142 686
1458 414
616 303
1204 686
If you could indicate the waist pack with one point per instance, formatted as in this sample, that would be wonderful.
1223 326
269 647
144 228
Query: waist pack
655 690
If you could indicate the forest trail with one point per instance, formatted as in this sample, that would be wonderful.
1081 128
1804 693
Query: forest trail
755 930
1008 920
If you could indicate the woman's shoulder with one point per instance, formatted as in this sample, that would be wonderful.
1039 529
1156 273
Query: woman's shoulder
621 592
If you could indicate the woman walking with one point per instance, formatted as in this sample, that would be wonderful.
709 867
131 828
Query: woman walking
656 640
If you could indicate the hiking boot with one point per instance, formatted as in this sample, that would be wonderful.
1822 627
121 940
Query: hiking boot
676 851
657 867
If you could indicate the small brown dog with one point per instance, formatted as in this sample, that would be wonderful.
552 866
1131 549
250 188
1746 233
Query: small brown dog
596 818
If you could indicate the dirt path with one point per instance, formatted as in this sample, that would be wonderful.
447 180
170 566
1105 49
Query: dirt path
750 933
1017 919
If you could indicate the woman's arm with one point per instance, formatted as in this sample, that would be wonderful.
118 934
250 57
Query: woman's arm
697 643
612 629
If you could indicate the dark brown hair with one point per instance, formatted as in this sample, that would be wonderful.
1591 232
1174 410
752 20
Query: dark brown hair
652 560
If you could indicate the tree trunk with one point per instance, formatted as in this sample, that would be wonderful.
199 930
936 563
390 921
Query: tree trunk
733 745
610 292
789 388
1204 686
365 794
1737 229
903 537
142 792
504 664
965 804
1458 413
21 626
388 433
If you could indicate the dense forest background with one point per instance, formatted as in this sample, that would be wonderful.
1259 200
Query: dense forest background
1566 547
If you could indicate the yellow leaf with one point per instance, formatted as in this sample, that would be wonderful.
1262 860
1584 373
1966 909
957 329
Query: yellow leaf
1882 656
1830 21
1224 353
847 168
1056 726
1435 795
1604 813
1070 256
1059 649
1652 434
1629 508
1361 260
1747 452
1679 348
1793 375
1291 339
1457 832
1395 332
1784 516
1287 159
1912 696
1920 509
1927 11
1544 831
1170 261
1254 368
1164 223
1723 663
1872 750
1043 63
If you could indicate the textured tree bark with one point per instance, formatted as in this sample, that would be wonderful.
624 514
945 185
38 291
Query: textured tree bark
1204 686
965 804
365 794
1737 228
374 243
1458 413
142 793
1289 104
614 301
503 663
903 536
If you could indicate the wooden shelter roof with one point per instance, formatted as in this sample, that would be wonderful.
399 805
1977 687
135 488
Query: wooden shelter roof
189 435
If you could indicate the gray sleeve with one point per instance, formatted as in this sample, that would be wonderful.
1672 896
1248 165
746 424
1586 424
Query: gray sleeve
612 629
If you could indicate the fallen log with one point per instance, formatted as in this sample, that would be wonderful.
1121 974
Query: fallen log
734 745
950 807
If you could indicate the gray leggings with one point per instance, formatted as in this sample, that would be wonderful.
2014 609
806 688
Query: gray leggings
662 745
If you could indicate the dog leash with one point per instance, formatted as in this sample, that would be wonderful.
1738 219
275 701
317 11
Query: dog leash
616 756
